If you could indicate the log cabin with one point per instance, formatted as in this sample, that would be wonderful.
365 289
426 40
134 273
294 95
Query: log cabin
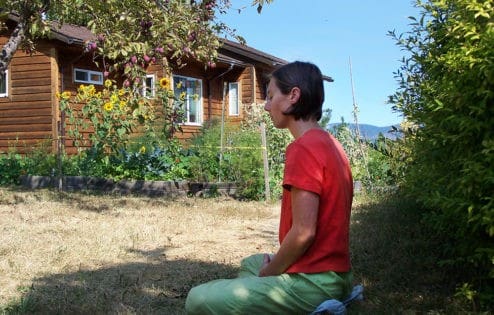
29 109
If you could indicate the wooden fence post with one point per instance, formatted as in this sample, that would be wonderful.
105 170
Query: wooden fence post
265 160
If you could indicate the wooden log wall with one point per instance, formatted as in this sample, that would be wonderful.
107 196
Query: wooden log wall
30 114
26 114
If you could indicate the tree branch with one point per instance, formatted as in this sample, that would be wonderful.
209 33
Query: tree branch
9 49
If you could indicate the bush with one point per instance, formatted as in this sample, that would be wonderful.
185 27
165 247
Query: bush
239 160
276 140
446 95
377 164
38 160
12 165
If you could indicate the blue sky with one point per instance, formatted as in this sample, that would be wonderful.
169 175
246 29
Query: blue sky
329 33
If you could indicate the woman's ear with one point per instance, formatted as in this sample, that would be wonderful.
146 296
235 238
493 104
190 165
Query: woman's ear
295 95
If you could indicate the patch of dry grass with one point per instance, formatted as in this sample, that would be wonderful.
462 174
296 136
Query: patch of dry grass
77 253
83 254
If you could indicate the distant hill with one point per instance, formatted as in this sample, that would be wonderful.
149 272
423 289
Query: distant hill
370 132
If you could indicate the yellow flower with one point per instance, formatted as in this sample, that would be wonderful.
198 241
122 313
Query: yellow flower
195 97
121 92
108 83
142 149
179 85
65 95
122 104
91 90
182 96
114 98
81 88
165 83
108 106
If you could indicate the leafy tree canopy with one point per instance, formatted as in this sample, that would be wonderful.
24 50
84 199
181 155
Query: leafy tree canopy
130 33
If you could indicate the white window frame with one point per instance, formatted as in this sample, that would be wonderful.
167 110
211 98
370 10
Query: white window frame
89 74
233 100
151 89
6 92
199 111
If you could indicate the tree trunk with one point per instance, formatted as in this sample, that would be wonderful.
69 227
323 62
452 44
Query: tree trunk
11 46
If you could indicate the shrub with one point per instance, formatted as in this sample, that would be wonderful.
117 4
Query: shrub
445 92
276 140
239 160
11 165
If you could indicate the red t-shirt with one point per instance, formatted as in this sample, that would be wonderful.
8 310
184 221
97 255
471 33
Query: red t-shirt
316 162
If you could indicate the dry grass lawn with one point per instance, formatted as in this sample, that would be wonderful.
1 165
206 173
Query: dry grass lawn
78 253
85 254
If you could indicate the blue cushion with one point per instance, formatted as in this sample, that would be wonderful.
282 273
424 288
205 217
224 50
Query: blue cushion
336 307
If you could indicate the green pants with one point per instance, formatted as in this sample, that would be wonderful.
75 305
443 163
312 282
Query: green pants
284 294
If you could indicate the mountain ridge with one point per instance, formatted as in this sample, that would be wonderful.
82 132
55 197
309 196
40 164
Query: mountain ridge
371 132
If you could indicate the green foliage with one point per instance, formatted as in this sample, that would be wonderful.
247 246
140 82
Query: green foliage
238 160
377 164
130 33
108 116
446 94
38 160
355 149
12 165
276 140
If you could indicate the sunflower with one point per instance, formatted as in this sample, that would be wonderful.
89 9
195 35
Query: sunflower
114 98
165 83
108 106
91 90
108 83
65 95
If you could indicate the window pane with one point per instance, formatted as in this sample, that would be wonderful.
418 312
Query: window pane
3 83
81 76
193 108
233 98
96 77
149 86
188 92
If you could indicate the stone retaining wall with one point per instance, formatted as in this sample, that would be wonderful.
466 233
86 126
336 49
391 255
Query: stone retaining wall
141 187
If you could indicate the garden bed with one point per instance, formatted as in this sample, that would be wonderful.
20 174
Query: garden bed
124 187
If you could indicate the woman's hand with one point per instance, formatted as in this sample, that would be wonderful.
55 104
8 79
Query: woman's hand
265 263
305 208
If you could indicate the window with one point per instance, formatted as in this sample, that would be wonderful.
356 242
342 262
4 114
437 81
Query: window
188 91
233 98
88 76
149 88
4 87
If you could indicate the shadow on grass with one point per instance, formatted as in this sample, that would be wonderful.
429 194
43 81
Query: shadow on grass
158 286
82 200
396 258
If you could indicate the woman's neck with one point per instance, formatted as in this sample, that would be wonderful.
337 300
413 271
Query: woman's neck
299 127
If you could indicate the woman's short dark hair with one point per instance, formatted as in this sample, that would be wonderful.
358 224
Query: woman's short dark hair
308 78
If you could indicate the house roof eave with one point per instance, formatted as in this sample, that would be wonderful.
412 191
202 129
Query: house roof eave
251 53
256 55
